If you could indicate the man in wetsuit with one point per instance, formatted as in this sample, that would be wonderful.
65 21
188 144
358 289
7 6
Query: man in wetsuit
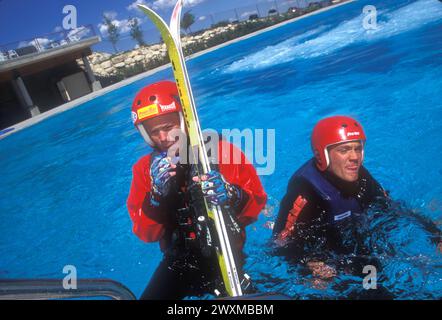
323 221
327 197
166 198
324 209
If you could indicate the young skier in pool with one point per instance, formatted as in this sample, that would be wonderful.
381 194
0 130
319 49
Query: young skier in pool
165 198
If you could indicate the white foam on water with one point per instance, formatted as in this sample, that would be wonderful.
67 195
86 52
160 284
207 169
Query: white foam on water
267 57
407 18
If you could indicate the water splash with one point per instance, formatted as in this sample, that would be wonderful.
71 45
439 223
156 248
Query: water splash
407 18
268 56
401 248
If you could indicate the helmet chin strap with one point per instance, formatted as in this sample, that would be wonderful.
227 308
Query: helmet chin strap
363 148
146 136
327 158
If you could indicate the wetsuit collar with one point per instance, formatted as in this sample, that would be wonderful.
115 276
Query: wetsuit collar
349 189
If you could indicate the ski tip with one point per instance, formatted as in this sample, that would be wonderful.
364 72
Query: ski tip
177 9
143 7
152 14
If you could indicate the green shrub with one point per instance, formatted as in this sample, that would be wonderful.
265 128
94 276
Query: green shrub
242 29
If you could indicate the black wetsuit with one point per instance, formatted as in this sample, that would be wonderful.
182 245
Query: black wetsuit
332 224
178 277
189 268
320 234
313 233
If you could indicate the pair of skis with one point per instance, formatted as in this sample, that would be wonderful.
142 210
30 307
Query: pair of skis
171 36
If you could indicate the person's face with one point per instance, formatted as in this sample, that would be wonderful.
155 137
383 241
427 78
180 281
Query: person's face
346 160
159 127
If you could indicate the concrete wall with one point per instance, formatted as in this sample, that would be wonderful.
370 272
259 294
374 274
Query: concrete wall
43 90
10 110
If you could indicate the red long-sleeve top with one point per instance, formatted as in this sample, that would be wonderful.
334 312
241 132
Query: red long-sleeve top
242 174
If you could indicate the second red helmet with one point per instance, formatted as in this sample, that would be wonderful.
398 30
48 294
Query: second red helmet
334 130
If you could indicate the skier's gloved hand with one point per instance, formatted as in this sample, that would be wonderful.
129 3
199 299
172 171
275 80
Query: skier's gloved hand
162 173
218 191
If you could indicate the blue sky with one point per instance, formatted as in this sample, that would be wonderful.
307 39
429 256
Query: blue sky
26 19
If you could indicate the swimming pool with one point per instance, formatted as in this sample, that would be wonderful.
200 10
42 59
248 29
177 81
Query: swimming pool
65 180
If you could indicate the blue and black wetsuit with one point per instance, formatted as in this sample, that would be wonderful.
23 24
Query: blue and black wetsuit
321 213
323 218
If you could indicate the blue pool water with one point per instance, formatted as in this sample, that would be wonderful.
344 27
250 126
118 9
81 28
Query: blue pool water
64 181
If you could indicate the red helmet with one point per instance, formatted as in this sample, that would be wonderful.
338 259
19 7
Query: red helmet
333 130
155 100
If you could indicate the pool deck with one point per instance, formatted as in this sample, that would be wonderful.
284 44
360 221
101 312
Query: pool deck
29 122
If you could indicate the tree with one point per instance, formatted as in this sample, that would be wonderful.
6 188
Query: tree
187 20
112 30
135 31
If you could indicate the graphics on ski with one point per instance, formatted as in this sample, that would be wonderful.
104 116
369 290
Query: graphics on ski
221 221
